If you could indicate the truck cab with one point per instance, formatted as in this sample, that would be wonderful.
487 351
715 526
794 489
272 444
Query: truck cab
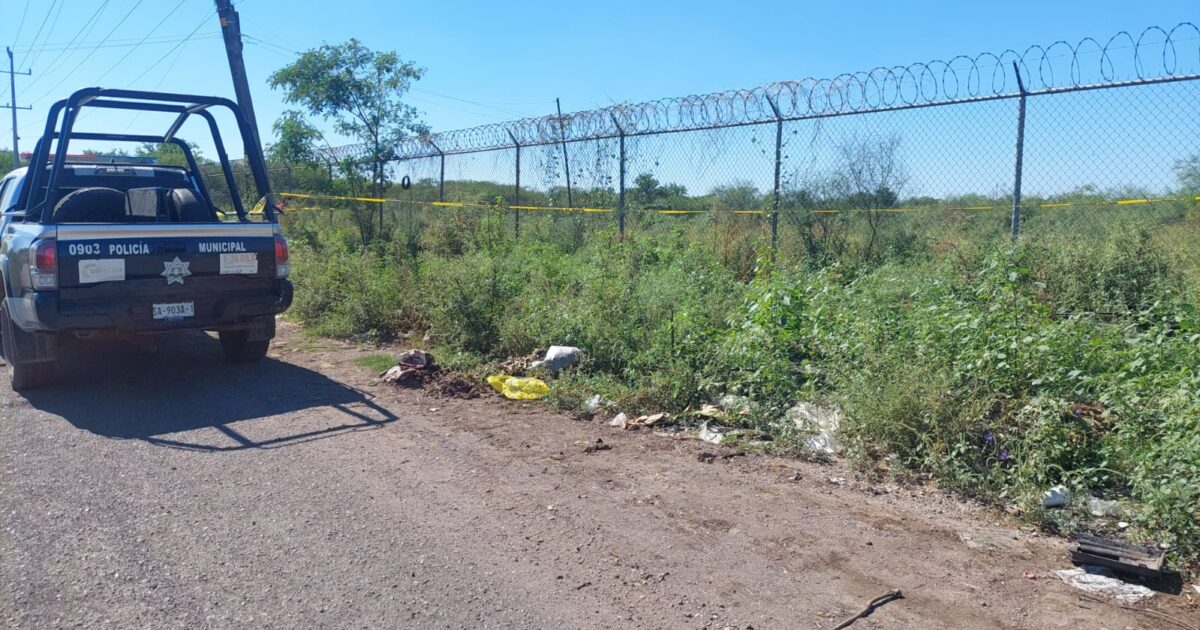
130 248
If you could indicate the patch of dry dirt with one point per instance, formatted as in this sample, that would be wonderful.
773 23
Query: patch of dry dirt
174 490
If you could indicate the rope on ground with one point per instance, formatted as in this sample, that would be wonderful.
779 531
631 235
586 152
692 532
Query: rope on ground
875 603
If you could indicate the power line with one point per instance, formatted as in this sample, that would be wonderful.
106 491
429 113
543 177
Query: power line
179 47
148 31
272 47
87 26
257 27
106 37
493 103
53 24
21 26
183 41
105 43
280 50
39 31
124 57
420 99
511 112
117 43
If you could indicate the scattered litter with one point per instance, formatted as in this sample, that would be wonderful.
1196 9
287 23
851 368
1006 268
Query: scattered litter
711 411
1030 575
645 421
1101 581
415 359
1058 496
715 434
622 421
1197 587
735 404
1102 507
674 432
598 446
558 358
594 404
837 481
412 369
518 388
712 435
518 365
434 408
796 476
821 422
1122 524
1096 551
707 457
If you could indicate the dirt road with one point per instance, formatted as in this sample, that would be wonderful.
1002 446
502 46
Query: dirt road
167 489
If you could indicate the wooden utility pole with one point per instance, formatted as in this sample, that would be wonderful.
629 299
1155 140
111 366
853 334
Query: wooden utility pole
12 84
231 30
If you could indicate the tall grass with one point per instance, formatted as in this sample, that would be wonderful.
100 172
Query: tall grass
997 369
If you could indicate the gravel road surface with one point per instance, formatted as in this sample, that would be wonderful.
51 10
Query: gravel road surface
162 488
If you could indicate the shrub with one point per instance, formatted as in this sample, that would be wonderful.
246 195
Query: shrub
997 370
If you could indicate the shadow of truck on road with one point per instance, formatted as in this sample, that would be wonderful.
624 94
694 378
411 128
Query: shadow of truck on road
168 393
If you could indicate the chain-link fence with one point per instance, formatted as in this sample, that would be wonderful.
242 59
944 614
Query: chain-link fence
1062 141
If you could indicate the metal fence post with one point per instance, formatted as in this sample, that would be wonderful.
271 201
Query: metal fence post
517 192
778 167
1016 207
562 132
441 172
621 178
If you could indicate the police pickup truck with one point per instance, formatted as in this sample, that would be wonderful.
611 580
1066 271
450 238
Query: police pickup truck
129 248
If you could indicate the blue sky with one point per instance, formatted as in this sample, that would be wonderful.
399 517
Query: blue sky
494 61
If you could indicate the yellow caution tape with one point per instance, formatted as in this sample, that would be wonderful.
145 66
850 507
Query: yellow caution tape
527 208
335 197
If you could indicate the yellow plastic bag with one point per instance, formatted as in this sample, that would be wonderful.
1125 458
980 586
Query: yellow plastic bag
515 388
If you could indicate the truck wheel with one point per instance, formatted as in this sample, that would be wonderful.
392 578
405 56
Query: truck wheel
239 349
22 376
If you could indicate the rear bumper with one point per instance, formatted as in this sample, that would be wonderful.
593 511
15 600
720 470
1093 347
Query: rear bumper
44 312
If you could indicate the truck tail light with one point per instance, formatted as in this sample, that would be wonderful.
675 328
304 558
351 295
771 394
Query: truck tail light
282 267
44 270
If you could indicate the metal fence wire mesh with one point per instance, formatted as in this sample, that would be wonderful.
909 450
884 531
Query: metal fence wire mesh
1066 141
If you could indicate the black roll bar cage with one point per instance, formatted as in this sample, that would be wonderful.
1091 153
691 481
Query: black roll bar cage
184 105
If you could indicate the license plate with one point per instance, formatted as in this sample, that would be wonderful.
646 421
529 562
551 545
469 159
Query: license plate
174 311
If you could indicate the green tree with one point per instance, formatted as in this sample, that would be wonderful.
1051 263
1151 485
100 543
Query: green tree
297 142
869 174
361 91
1188 172
166 153
649 193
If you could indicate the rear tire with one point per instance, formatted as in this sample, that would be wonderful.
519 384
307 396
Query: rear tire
22 376
239 349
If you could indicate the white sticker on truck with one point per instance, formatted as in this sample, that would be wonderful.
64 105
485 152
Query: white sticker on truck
239 264
101 270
